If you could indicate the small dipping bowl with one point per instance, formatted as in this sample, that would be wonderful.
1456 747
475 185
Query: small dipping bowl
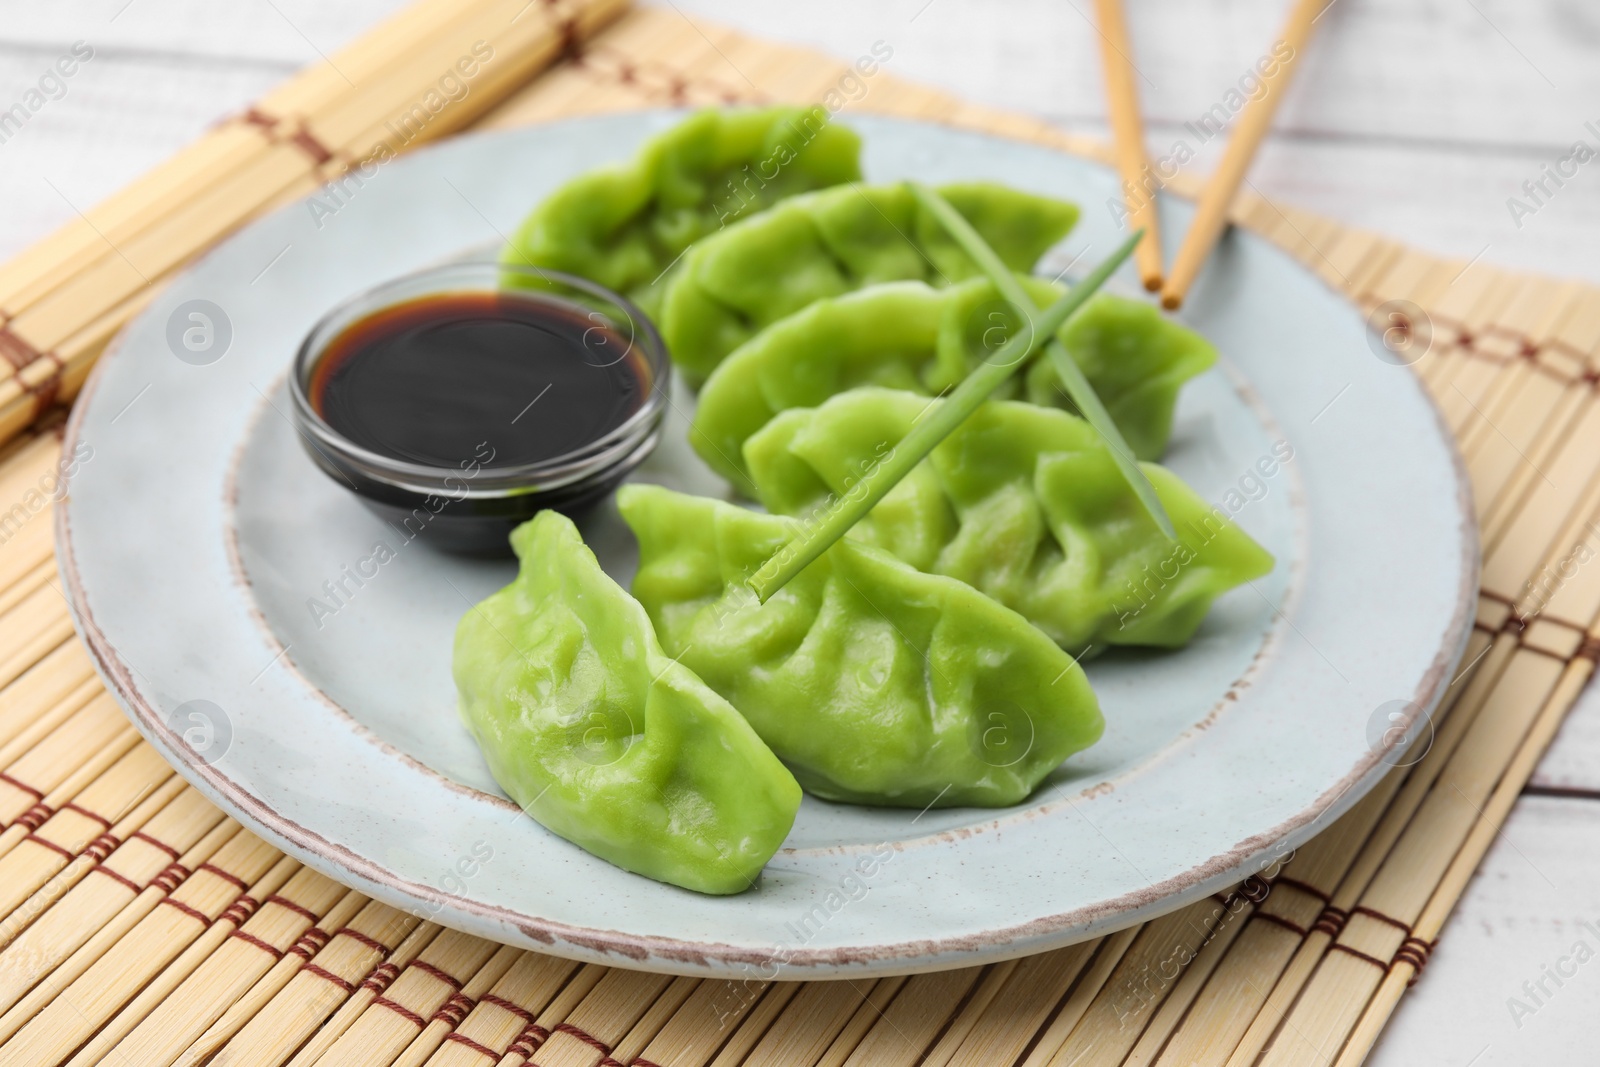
459 401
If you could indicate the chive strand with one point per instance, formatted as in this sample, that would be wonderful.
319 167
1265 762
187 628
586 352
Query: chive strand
846 510
1072 378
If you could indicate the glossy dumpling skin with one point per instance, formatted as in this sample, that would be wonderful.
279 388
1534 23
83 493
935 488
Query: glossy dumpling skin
624 225
875 683
1024 503
907 335
827 243
602 738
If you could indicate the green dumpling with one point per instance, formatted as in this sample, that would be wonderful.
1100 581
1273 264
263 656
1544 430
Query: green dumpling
875 683
626 224
1024 503
906 335
828 243
602 738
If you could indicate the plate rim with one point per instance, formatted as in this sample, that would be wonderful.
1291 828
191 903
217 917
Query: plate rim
698 957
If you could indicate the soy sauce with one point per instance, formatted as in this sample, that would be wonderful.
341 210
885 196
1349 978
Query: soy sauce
431 380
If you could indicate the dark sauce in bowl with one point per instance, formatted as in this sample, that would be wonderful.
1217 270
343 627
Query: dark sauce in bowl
430 380
459 402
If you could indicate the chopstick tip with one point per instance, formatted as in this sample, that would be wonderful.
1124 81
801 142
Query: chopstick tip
1171 301
1153 283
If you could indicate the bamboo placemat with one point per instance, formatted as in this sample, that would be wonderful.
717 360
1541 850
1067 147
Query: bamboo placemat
138 925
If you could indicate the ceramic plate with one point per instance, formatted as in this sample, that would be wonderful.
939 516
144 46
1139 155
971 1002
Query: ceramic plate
230 597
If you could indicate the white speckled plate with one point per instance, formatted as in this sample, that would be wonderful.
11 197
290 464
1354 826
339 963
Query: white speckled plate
197 537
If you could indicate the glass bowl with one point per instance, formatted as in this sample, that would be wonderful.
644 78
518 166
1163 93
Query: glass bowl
473 505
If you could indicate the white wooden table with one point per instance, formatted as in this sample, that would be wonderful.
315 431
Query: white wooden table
1417 118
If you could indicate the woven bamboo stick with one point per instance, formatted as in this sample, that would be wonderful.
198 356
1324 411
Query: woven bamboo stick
696 1031
1109 952
445 1020
1000 1031
50 927
40 619
106 937
788 1022
268 986
356 1004
553 1015
170 1013
45 764
170 979
143 954
27 583
510 1004
318 992
394 1018
60 840
119 740
43 718
602 1019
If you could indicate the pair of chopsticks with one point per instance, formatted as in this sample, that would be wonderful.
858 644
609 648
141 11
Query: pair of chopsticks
1140 184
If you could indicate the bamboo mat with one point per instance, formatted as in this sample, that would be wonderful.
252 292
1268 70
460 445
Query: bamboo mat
138 925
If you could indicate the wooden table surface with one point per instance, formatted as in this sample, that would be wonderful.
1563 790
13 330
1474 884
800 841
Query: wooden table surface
1421 119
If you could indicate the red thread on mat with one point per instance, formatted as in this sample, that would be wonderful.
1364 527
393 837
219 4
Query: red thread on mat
193 913
529 1041
140 835
105 823
586 1037
226 876
254 116
430 969
379 979
1347 950
1309 890
251 939
1415 951
311 942
303 139
103 846
240 910
356 935
342 983
14 784
15 351
129 883
171 877
400 1010
454 1010
34 817
1404 928
1278 920
1255 889
52 846
481 1050
1331 921
284 902
1589 650
505 1005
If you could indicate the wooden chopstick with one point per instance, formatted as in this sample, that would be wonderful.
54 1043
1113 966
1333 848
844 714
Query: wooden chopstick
1211 217
1127 130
